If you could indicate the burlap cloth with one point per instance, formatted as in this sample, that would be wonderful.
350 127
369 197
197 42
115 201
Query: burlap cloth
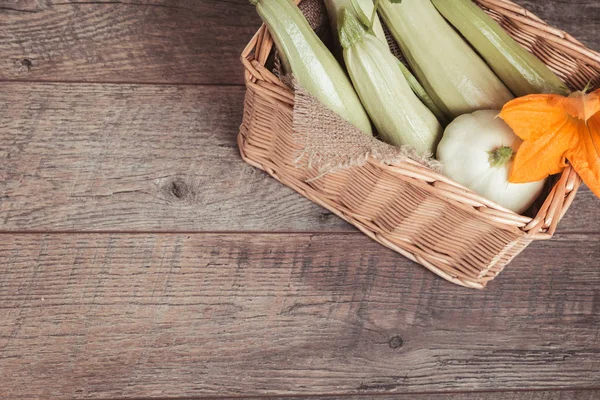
331 143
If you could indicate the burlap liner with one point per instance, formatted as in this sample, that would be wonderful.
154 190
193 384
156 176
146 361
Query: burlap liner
316 15
330 142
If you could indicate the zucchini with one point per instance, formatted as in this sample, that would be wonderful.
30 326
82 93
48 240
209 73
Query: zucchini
455 77
311 63
398 115
520 70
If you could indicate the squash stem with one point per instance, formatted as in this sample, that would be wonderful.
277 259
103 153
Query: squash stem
501 156
351 30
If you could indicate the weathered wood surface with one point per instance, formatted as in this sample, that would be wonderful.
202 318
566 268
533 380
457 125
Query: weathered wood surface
145 157
172 41
191 41
100 157
521 395
157 314
120 316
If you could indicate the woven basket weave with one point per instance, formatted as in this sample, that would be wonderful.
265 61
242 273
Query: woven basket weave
405 206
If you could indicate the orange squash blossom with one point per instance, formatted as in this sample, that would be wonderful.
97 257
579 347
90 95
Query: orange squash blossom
555 129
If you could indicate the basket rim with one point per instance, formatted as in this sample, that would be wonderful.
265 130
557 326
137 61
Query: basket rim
540 227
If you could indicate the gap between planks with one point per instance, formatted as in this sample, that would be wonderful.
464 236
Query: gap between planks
575 393
117 232
240 233
137 83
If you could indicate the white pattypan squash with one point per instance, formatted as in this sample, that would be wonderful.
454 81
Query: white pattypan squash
477 150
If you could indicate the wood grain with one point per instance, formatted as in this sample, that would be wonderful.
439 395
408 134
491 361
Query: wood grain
168 41
173 315
145 157
502 395
520 395
149 158
184 41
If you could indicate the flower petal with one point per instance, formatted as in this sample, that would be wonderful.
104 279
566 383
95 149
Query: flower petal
585 158
592 104
537 159
534 116
579 104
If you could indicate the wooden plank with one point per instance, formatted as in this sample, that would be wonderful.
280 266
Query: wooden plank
169 41
183 41
145 157
520 395
502 395
126 316
149 158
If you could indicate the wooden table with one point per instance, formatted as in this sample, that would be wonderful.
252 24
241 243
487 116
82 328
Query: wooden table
141 258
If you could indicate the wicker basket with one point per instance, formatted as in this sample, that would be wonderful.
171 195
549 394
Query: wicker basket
411 209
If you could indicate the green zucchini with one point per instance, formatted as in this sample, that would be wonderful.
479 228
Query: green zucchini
520 70
398 115
311 63
455 77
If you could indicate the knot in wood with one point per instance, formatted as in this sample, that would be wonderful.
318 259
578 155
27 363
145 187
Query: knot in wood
396 342
24 65
177 189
